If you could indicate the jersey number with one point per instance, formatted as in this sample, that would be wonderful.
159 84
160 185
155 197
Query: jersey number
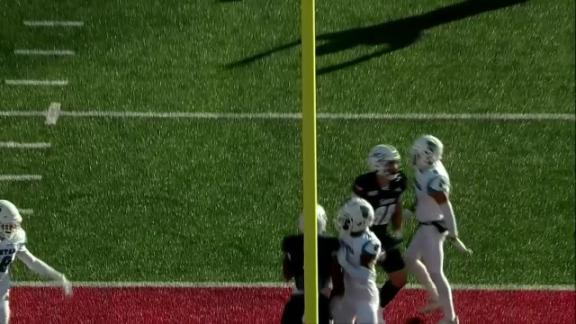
4 263
383 214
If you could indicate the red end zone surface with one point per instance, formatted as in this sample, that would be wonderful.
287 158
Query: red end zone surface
264 305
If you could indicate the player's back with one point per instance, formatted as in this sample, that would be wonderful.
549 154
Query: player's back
427 182
293 247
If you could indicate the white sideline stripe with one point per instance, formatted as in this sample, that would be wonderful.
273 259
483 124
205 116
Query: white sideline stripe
53 113
20 177
152 284
26 211
51 23
16 145
43 52
58 83
297 116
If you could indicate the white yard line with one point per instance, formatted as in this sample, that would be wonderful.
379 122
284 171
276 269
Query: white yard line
20 177
152 284
270 115
33 52
297 116
48 83
23 113
30 146
53 113
52 23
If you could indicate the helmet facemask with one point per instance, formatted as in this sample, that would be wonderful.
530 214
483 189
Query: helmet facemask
10 219
385 160
8 231
426 151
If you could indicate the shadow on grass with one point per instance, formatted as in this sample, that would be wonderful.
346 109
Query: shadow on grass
386 37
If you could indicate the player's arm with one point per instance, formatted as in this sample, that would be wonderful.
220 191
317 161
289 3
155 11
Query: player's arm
397 218
337 277
43 269
438 189
359 273
287 271
358 189
287 267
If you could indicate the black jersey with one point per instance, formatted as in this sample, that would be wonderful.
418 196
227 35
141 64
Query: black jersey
383 200
293 248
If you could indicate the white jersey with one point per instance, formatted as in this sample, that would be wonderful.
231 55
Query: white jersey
434 179
355 248
9 248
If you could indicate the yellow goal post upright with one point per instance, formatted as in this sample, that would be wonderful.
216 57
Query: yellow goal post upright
308 48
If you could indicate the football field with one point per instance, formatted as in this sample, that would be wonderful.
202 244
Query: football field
157 143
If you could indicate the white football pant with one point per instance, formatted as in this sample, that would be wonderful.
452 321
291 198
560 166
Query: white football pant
425 259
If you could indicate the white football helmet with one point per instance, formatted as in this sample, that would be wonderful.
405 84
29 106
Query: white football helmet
321 217
355 216
10 219
384 159
426 151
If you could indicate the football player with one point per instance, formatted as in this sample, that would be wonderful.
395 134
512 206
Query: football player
383 187
434 213
359 251
12 246
329 272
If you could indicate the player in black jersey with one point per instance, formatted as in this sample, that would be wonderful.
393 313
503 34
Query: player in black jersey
383 187
329 272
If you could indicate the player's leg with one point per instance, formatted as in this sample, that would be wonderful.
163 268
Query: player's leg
415 266
342 309
4 310
366 313
293 310
324 309
395 268
4 300
433 258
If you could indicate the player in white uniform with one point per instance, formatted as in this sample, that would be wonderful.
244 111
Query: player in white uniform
359 251
12 246
434 213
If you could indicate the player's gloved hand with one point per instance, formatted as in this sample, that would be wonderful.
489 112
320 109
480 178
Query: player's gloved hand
459 245
66 286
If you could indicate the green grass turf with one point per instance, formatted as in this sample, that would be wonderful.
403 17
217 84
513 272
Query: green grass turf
185 200
375 56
